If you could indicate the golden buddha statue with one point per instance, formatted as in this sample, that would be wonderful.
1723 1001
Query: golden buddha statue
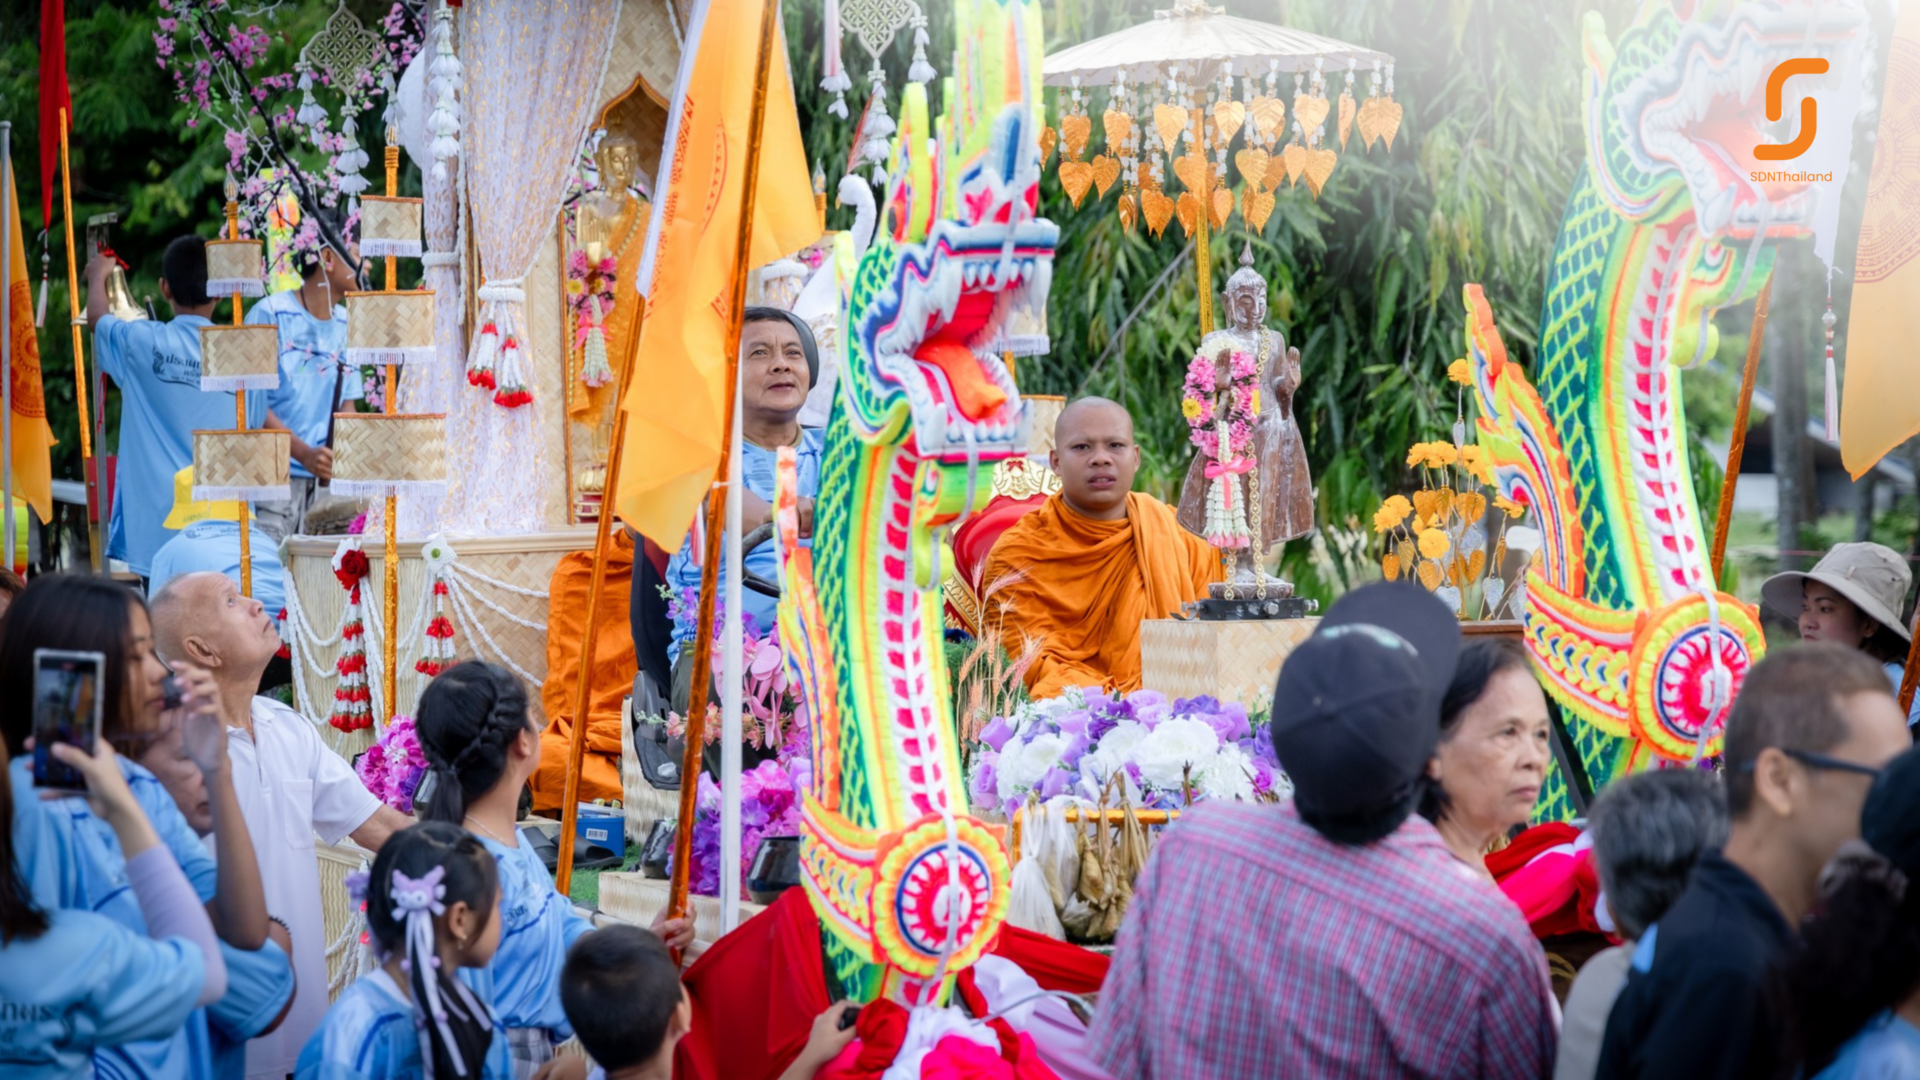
610 223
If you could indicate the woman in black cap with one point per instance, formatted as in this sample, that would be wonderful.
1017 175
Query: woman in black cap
1856 981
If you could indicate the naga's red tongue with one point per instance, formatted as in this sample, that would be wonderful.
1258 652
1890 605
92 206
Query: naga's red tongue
975 395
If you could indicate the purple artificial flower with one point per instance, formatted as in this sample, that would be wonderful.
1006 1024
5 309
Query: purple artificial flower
996 733
1076 722
985 784
1077 746
1150 707
1055 784
1262 777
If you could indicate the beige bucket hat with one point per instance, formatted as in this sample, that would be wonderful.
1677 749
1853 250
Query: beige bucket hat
1872 576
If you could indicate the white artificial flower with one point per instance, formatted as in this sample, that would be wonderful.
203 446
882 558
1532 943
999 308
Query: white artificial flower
1228 775
1113 751
1022 765
1166 753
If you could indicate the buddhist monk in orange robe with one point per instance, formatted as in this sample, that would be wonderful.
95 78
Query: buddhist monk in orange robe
613 667
1072 581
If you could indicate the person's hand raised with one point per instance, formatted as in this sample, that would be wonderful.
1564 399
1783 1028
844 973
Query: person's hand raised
203 731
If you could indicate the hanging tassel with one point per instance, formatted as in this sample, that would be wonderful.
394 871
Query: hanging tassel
311 115
443 85
480 368
437 652
512 392
353 694
921 71
1833 381
836 82
595 372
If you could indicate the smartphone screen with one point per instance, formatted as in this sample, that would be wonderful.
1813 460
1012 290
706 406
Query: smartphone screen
66 709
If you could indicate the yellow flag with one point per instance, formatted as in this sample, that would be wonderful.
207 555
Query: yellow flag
32 438
1880 405
674 409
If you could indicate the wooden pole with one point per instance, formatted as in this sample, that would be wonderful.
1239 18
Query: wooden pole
717 501
79 318
1911 680
589 646
1737 446
240 402
390 568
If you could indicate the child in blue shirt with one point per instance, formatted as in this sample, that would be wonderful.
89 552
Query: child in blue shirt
156 365
432 910
481 747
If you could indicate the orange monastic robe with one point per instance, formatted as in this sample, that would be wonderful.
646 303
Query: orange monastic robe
613 667
1080 588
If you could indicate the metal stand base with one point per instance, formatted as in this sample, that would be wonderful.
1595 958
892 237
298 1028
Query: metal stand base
1246 607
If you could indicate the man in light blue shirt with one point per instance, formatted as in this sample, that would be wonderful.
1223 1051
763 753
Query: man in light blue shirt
209 539
778 361
156 365
312 321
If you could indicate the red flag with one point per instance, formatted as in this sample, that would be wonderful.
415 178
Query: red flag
53 97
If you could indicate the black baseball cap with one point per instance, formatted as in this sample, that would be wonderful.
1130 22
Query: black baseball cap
1356 711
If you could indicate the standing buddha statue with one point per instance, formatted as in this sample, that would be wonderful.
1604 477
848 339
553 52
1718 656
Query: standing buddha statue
1275 494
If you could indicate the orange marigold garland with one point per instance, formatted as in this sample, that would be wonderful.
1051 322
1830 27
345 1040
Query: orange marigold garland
352 696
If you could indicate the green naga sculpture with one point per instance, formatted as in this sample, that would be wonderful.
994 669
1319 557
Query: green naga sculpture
1664 226
909 888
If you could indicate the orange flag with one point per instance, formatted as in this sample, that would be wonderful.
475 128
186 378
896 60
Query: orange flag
32 438
1880 406
674 409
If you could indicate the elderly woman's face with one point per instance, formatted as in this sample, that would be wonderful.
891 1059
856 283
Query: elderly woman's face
1493 764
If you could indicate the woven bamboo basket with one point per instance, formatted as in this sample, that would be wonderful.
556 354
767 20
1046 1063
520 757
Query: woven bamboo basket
338 913
241 465
239 358
389 226
1233 661
236 266
500 585
374 453
390 327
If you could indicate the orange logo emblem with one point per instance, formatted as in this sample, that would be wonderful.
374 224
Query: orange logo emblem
1809 118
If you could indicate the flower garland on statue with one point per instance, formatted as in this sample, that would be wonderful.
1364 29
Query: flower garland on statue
436 652
590 302
1208 429
352 696
393 766
1171 753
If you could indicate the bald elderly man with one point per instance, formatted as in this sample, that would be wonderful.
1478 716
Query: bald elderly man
1071 582
290 785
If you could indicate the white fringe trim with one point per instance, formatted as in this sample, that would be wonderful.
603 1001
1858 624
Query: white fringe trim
380 489
214 384
380 248
378 357
218 288
277 493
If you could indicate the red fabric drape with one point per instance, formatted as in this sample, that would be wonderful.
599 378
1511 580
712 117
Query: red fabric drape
757 990
53 98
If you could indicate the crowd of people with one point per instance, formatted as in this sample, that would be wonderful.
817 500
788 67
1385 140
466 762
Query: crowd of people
168 923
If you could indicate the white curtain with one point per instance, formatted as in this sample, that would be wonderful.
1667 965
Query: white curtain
533 70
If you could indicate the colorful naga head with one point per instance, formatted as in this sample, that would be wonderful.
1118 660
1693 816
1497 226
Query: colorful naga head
1674 110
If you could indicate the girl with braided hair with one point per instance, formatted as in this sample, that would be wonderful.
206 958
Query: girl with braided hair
433 909
481 747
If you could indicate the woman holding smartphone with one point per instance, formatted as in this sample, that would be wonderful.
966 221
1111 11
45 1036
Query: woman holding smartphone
74 981
76 859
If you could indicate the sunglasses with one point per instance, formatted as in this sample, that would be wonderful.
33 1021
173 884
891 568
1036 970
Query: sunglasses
1821 761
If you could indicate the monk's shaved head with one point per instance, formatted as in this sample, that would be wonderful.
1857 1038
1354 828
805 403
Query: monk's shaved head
1096 457
1079 408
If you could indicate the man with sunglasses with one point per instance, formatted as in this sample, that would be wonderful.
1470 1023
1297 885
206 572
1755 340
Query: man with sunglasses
1812 727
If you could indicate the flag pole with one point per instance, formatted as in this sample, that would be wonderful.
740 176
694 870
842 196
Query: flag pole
1737 445
589 647
6 329
79 318
717 500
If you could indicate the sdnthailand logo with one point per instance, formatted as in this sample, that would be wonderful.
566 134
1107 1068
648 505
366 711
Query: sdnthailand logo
1809 122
